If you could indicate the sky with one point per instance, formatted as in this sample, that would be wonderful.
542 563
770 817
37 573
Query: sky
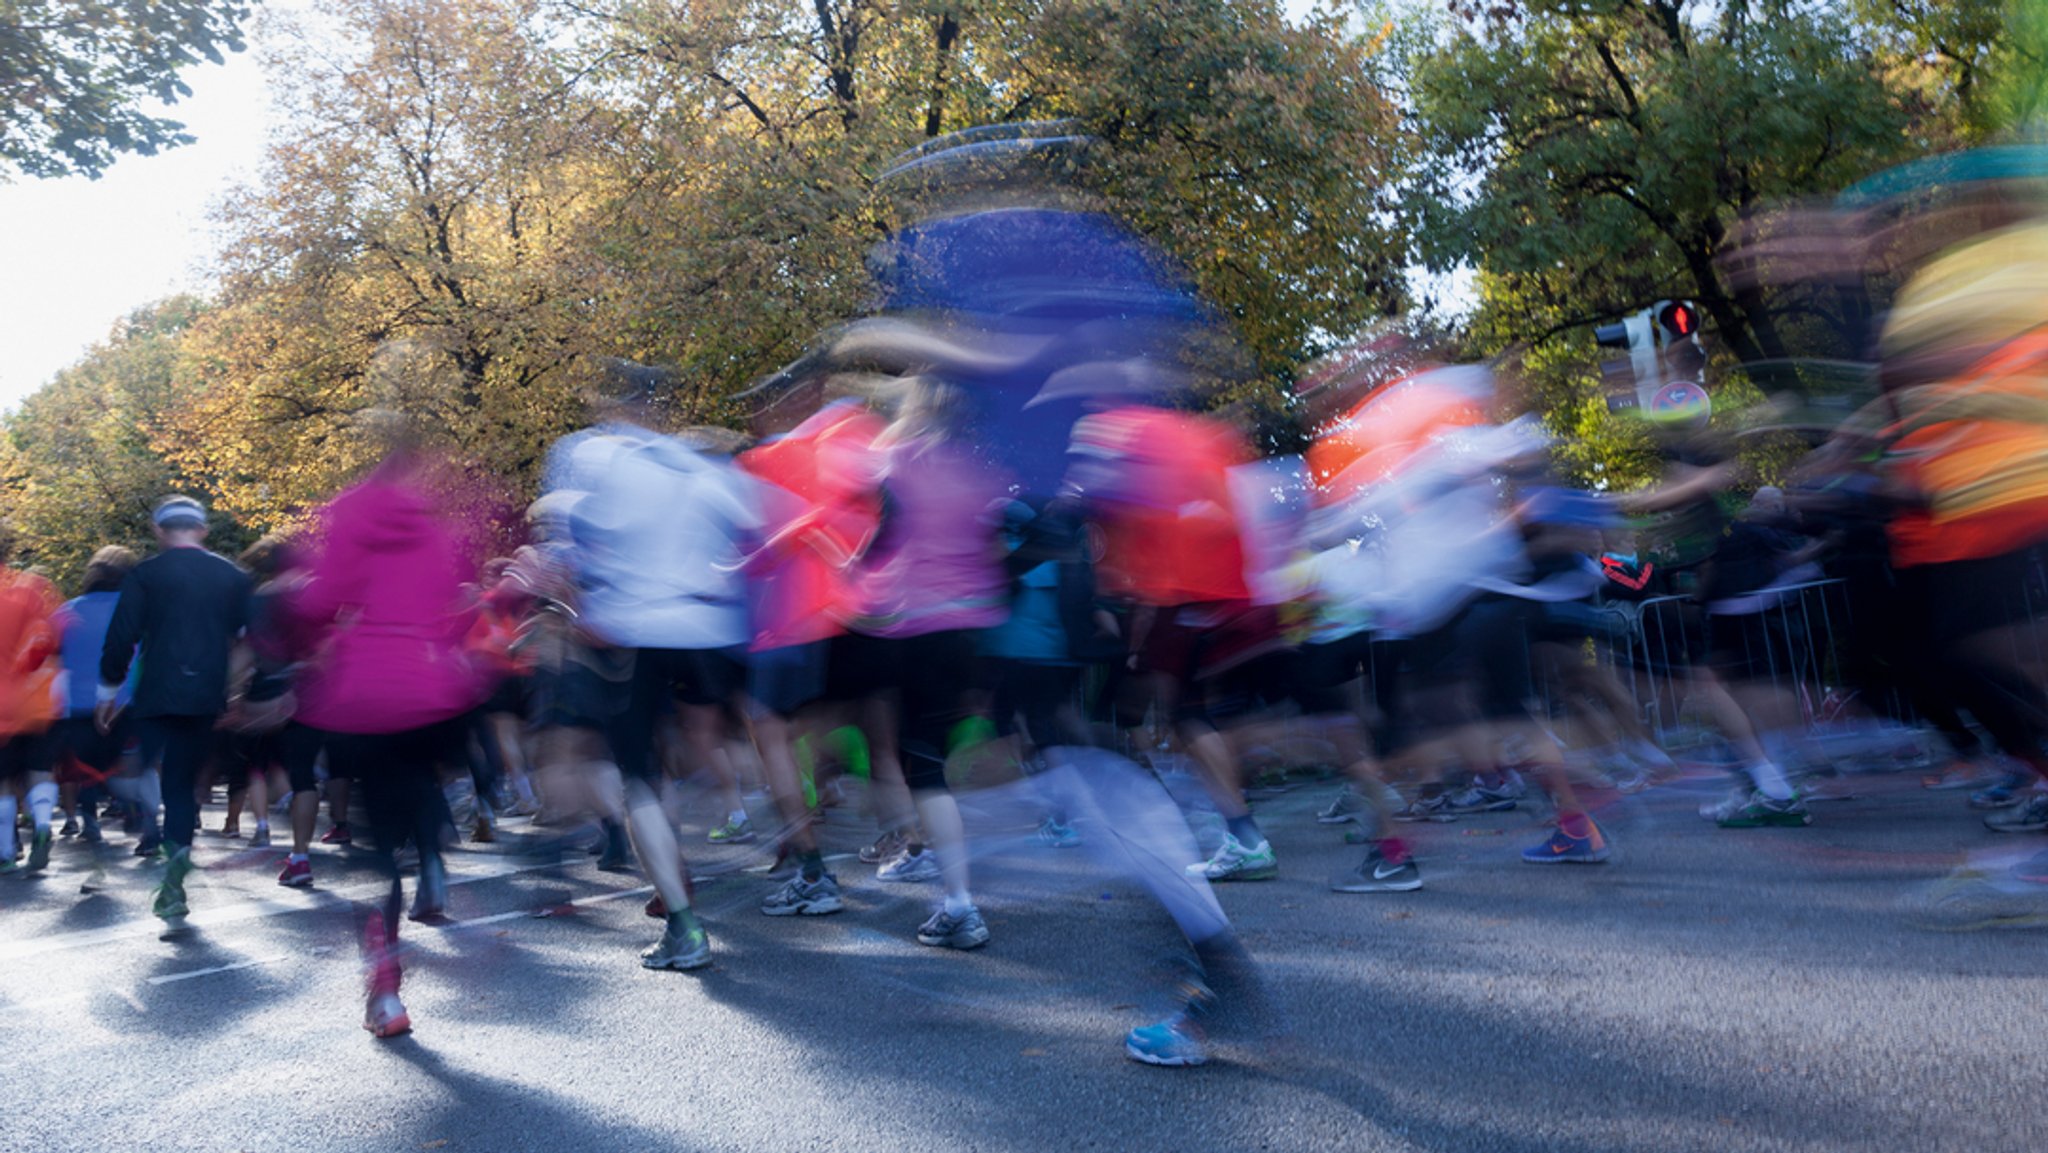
77 255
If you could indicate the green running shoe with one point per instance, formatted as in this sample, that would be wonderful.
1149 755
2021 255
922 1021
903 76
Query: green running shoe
679 948
733 833
1764 813
39 851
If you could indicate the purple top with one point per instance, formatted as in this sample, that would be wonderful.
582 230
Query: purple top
935 564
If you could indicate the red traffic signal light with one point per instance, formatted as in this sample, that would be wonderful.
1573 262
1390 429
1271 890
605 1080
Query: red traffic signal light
1679 319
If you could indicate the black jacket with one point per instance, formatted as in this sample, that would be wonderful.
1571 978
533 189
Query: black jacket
185 607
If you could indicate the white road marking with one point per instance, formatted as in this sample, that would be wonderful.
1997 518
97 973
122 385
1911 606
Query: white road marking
171 978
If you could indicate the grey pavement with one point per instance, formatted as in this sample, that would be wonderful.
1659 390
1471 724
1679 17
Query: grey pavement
1708 989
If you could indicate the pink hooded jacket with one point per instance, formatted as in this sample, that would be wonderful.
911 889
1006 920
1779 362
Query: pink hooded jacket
385 614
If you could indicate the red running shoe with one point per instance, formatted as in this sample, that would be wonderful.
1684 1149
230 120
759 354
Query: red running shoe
296 874
338 835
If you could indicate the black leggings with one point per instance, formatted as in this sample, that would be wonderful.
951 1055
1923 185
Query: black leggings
401 790
182 743
932 673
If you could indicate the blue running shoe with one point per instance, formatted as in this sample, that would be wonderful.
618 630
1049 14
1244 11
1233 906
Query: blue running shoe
1176 1041
1564 849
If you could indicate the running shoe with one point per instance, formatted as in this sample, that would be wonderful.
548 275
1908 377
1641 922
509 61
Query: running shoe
149 846
1343 808
887 847
338 835
296 874
2028 817
169 903
922 865
483 834
1762 812
615 853
683 950
260 839
1481 798
39 851
1564 849
1436 808
805 898
385 1016
1970 900
1376 874
1174 1042
1961 774
9 866
1234 862
946 931
430 896
89 832
2003 795
1054 835
70 828
733 833
1736 799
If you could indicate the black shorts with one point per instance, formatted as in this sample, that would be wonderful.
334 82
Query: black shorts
81 750
299 748
783 680
858 666
1043 700
1323 672
508 697
659 678
23 754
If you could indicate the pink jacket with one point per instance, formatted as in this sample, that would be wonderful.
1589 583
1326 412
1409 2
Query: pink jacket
386 614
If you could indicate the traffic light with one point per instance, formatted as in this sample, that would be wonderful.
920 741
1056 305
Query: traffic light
1664 354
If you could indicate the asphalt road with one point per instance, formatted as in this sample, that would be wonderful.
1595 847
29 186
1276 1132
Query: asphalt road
1708 989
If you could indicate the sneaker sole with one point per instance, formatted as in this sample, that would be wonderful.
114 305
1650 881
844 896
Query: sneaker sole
1335 818
1378 887
1599 858
807 909
951 943
295 883
914 879
1144 1058
2027 828
1266 874
1801 821
1489 807
677 964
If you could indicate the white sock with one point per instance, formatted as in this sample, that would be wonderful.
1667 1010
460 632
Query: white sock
959 906
8 811
299 858
737 817
1770 780
42 801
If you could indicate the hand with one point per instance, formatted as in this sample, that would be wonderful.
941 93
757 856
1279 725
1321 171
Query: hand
103 715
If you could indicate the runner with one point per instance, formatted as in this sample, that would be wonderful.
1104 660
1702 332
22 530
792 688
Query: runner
180 613
28 705
383 604
658 531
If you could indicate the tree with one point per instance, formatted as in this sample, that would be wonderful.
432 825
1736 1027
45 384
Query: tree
75 76
1598 157
79 462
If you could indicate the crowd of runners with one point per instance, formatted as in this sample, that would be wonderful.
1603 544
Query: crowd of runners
954 548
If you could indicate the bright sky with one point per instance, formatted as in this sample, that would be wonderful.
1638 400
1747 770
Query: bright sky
77 255
80 254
